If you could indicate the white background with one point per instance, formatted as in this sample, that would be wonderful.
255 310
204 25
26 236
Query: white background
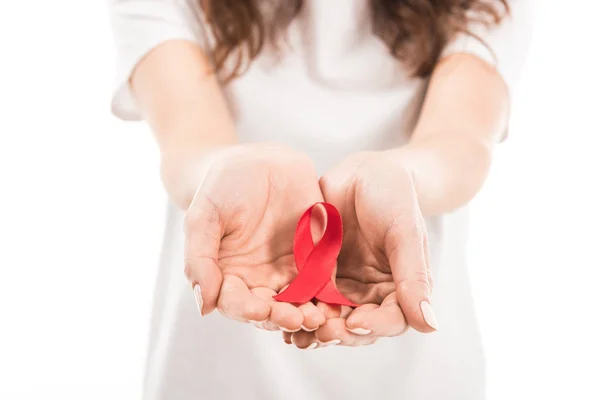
81 212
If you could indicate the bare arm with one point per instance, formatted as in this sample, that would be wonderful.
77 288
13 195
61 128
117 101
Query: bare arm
180 98
464 115
385 194
449 155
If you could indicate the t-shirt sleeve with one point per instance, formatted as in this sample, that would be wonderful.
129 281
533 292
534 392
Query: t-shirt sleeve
139 26
504 46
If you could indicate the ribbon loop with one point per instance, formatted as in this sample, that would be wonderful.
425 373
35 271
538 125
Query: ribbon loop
316 264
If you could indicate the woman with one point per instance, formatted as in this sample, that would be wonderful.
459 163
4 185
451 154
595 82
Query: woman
389 110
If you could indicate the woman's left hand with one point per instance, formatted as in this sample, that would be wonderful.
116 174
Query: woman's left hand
384 261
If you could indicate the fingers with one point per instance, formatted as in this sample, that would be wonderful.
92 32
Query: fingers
313 317
287 317
345 311
385 320
304 340
237 302
329 311
307 338
405 249
428 261
267 295
203 238
363 327
287 337
316 316
334 332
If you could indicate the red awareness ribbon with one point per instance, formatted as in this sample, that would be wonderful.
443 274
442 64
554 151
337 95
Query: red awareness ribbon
316 263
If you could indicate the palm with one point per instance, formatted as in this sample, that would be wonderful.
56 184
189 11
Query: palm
258 235
383 264
248 207
363 273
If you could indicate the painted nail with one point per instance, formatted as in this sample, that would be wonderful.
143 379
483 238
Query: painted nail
258 324
360 331
428 315
198 296
308 330
312 346
288 330
331 343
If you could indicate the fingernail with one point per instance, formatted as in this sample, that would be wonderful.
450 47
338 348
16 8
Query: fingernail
308 330
359 331
288 330
259 325
428 315
331 343
198 296
312 346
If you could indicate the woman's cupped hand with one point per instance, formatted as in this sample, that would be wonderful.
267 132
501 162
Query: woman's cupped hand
240 228
239 232
384 261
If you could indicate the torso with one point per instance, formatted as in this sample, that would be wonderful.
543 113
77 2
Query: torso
337 92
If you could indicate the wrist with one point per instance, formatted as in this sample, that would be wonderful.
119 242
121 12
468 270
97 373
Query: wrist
447 173
183 172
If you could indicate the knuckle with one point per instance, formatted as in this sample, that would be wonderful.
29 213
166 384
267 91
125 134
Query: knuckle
419 280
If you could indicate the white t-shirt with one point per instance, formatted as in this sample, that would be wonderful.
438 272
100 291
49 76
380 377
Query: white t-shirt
338 91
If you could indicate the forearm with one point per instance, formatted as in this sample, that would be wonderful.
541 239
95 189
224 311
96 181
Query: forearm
182 101
447 171
463 116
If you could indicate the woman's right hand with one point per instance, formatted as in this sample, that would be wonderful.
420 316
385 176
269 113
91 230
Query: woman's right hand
239 233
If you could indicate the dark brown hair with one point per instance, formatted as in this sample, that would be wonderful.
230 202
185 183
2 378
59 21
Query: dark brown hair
415 31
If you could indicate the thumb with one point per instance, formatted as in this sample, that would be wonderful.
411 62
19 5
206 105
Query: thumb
405 247
202 241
